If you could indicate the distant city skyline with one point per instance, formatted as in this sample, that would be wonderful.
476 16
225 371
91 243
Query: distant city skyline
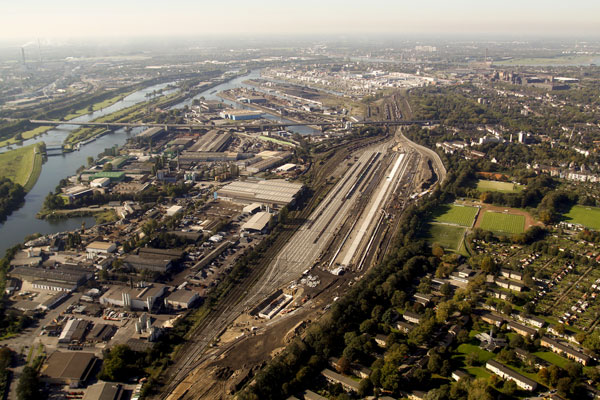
135 18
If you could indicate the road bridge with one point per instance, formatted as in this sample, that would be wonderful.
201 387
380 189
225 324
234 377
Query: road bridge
109 125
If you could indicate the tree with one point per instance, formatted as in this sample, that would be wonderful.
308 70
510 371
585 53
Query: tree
509 387
107 167
90 161
343 365
488 265
437 250
120 364
365 388
29 387
564 385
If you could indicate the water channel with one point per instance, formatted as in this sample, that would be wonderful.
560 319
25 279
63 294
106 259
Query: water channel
23 221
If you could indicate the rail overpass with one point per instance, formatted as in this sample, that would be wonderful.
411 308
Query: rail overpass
109 125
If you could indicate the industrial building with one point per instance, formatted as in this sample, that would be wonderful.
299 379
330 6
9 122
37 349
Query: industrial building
258 222
74 331
188 158
59 279
181 299
240 115
69 368
274 192
140 263
104 391
133 298
99 248
212 141
151 133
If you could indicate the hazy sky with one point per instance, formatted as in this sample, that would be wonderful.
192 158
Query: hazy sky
31 19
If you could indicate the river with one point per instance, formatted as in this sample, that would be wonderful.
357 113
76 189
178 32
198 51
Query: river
23 221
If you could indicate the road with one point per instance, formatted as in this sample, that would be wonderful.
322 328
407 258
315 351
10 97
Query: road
205 126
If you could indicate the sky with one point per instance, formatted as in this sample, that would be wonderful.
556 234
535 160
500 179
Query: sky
46 19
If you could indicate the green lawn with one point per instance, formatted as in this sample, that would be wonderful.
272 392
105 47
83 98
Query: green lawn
467 348
552 358
21 165
455 214
478 372
584 215
503 223
497 186
97 106
447 236
26 135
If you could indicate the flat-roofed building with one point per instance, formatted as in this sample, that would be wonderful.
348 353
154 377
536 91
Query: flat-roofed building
134 298
97 248
277 192
61 278
68 368
182 299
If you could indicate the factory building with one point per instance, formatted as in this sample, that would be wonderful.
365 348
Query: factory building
152 133
273 192
240 115
258 222
69 368
58 279
98 248
133 298
182 299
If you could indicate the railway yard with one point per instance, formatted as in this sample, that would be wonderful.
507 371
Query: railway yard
349 229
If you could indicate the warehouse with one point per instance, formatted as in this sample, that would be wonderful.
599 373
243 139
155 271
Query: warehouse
240 115
188 158
99 248
181 299
258 222
105 391
73 368
151 133
212 141
140 263
274 192
134 298
74 331
63 276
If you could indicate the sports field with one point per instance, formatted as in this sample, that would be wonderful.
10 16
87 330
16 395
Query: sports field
497 186
503 223
455 214
447 236
584 215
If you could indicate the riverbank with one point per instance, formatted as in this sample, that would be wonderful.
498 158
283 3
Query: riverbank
101 215
30 134
22 166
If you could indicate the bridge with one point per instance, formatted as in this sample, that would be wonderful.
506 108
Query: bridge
208 126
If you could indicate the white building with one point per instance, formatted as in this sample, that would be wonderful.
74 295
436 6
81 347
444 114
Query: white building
99 248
